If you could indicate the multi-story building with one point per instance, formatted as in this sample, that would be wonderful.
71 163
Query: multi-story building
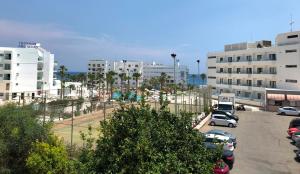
147 70
154 70
249 69
26 72
129 67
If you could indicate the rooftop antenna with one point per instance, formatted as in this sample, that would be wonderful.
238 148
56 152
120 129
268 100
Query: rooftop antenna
292 22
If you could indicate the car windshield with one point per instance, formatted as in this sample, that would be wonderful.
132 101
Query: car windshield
212 140
225 107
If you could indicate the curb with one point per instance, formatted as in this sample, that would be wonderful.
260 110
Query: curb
203 122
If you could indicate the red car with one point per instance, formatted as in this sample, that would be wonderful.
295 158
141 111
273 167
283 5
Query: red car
292 130
221 168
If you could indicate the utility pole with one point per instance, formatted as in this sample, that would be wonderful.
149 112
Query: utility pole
72 125
173 55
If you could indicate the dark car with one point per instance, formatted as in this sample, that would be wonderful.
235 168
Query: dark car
229 115
295 123
298 154
227 156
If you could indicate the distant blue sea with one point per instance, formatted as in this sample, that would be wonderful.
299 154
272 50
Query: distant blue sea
196 81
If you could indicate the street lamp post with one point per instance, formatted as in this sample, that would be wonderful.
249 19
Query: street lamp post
173 55
198 68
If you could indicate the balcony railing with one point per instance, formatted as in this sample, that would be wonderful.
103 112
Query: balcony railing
250 60
245 72
247 85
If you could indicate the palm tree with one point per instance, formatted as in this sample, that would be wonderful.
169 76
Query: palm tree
110 79
154 82
128 82
193 78
203 77
62 73
122 77
91 82
162 80
100 78
81 77
136 77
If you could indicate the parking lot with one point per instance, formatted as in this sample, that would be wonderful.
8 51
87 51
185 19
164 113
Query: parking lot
263 146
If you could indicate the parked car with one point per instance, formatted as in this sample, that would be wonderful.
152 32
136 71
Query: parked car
226 106
240 108
295 123
227 155
228 114
295 136
223 133
221 168
222 120
297 143
288 111
219 139
293 130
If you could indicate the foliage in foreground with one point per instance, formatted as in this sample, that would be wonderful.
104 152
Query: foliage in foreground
141 140
19 127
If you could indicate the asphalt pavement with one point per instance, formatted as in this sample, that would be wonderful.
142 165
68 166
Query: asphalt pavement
263 146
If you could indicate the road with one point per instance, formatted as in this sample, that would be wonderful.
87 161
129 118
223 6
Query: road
263 146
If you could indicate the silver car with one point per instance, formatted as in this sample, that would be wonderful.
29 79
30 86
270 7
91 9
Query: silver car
288 111
222 120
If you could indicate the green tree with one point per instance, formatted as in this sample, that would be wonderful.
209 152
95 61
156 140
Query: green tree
110 80
19 127
193 78
49 158
81 77
162 80
141 140
100 80
136 77
91 83
122 77
62 73
203 77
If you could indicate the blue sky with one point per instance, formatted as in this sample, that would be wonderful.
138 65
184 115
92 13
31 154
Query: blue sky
76 31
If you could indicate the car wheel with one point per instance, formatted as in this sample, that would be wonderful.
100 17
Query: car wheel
282 113
230 125
212 123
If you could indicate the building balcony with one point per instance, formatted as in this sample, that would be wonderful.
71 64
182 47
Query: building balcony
244 86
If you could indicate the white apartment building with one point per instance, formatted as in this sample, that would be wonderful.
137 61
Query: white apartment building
129 67
154 70
147 70
249 69
26 71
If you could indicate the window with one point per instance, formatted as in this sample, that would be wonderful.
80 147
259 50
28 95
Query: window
229 70
18 55
259 83
272 70
1 65
238 58
290 81
238 70
249 70
211 57
129 65
6 66
230 81
212 67
1 55
136 65
238 93
17 84
1 75
272 56
94 65
259 70
258 95
102 64
98 65
6 76
211 77
249 82
238 82
249 58
229 59
221 81
291 51
292 36
7 56
273 84
221 70
291 66
221 59
258 57
18 64
247 94
1 94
